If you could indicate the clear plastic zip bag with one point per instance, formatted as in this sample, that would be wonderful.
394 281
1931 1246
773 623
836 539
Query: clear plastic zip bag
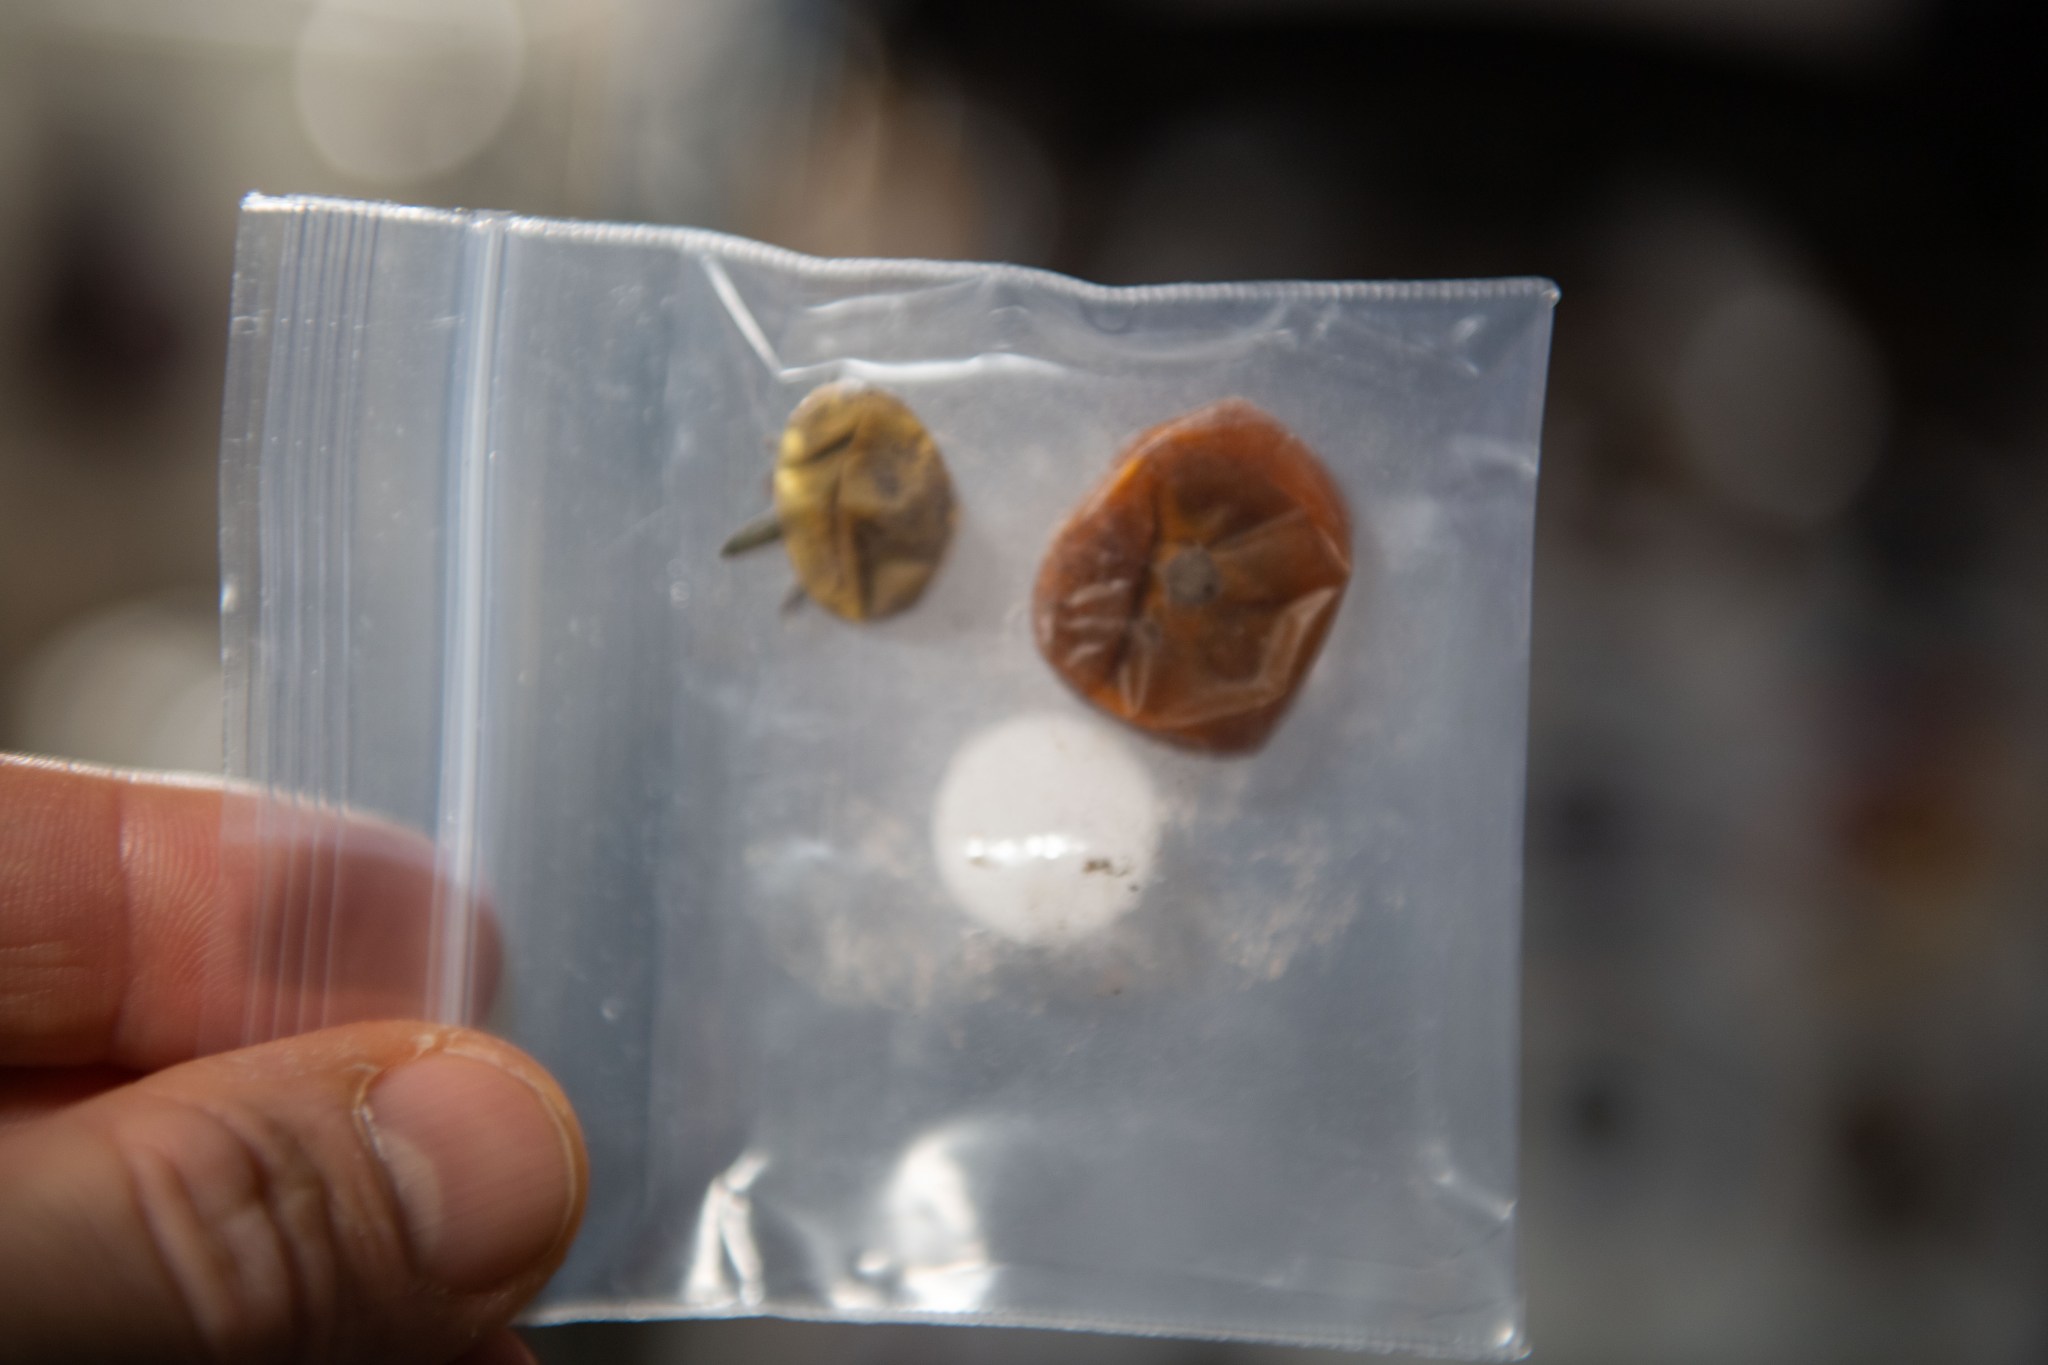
906 957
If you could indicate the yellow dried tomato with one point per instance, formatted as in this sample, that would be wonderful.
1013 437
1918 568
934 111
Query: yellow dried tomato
1191 592
863 503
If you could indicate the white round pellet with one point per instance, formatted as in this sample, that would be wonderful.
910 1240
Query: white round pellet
1045 828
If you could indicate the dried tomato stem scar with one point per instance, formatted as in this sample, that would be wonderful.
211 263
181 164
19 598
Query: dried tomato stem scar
1190 593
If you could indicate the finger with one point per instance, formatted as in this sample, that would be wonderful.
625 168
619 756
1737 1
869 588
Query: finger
387 1192
127 939
94 873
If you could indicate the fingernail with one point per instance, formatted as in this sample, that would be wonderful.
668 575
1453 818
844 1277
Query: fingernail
481 1163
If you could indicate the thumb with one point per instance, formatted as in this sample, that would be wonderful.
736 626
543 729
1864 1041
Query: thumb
385 1191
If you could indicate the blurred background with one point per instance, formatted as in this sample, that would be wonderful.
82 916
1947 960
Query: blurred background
1786 1083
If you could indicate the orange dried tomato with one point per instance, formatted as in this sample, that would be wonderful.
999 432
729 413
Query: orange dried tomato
1192 590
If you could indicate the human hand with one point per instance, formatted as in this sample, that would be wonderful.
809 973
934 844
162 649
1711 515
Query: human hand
387 1191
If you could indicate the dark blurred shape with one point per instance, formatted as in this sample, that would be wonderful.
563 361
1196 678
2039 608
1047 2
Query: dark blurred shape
1234 192
1603 1111
1891 1164
1928 523
1826 30
1585 823
102 331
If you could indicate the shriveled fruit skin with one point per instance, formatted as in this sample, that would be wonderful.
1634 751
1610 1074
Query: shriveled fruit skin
863 499
1191 592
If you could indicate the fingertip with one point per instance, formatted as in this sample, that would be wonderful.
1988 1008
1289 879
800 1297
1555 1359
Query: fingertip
486 1165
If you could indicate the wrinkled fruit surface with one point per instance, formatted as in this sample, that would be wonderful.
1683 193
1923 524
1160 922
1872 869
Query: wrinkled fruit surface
864 501
1191 592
